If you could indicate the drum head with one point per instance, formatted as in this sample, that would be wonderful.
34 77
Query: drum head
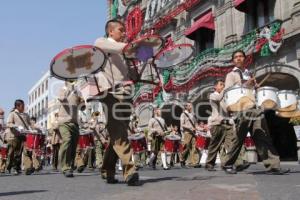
136 136
77 62
174 55
172 137
143 48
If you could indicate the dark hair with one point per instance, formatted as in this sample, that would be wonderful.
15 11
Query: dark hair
33 119
218 81
110 22
18 103
238 51
186 104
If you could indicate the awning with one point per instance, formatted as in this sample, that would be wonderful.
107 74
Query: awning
240 5
206 21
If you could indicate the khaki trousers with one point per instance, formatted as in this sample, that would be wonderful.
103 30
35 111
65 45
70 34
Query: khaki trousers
69 133
189 149
99 149
31 160
14 157
119 146
253 121
221 138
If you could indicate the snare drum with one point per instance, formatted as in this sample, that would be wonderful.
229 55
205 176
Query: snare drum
3 151
287 100
267 98
239 98
85 140
34 141
172 143
202 142
138 142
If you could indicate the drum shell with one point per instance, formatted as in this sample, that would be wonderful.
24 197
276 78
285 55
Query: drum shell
86 141
287 98
138 144
202 142
172 145
3 152
34 141
234 94
267 93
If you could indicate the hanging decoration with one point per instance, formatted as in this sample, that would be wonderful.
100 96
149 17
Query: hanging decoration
119 8
134 23
216 62
163 21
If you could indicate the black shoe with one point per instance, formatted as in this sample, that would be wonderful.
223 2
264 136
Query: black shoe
210 168
278 171
242 167
68 174
168 168
196 166
80 169
111 180
182 164
133 179
229 170
29 171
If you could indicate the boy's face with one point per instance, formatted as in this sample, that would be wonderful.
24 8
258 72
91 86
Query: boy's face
21 108
239 60
220 86
117 32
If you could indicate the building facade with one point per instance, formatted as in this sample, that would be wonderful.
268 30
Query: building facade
42 98
267 30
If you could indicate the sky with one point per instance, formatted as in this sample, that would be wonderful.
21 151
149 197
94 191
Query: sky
32 32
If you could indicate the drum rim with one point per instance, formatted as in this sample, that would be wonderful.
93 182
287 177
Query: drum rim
173 136
287 92
140 39
170 48
268 88
67 51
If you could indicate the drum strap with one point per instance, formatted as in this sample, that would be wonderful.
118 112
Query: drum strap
162 127
22 120
190 119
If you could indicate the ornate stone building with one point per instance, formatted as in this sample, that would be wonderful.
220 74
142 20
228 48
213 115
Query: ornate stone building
267 30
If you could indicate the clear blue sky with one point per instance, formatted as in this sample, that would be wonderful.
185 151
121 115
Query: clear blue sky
33 31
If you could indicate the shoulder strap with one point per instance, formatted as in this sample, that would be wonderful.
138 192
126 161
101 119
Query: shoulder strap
22 121
190 119
162 127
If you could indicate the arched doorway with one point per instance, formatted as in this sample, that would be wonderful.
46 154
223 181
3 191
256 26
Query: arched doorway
282 77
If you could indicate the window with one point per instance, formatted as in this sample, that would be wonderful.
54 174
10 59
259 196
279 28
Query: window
42 107
46 85
202 31
39 92
204 40
39 108
46 103
260 13
43 88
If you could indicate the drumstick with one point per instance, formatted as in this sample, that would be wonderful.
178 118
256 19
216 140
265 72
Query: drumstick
264 79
